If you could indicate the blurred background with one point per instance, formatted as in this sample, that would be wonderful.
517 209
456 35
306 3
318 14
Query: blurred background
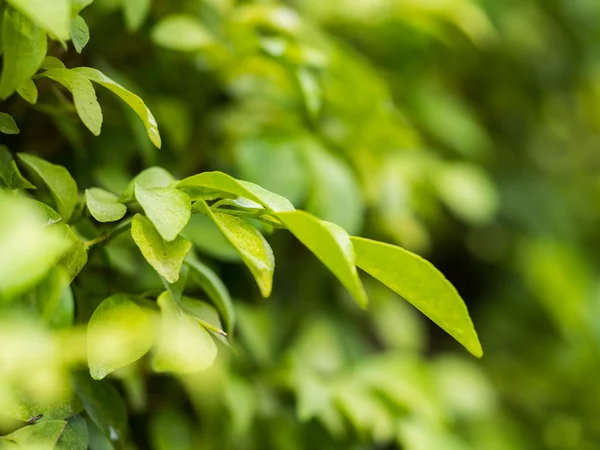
467 131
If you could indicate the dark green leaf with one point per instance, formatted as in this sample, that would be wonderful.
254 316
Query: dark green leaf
10 176
420 283
74 436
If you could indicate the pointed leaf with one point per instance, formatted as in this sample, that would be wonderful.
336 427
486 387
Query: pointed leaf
24 50
53 16
84 96
119 333
7 124
104 206
105 406
184 345
169 209
250 243
220 181
74 436
420 283
40 436
28 91
176 289
215 289
136 12
134 102
331 244
62 186
165 257
10 176
80 33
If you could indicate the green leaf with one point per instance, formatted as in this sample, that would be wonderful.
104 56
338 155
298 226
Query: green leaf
50 216
84 96
250 243
184 345
74 259
182 33
165 257
62 186
55 299
104 206
51 62
78 5
10 176
7 124
153 177
171 429
119 333
40 436
74 436
207 237
24 51
176 289
28 91
331 244
80 33
220 181
53 16
169 209
104 405
136 12
335 195
29 248
215 289
420 283
207 315
25 406
134 102
98 441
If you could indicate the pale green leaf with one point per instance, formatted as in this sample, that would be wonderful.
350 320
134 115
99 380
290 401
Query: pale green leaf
119 333
51 62
78 5
84 96
24 51
250 243
153 177
25 406
311 91
50 216
10 176
136 12
74 259
55 299
104 206
40 436
28 91
176 289
105 406
169 209
207 237
331 244
182 33
7 124
215 289
74 436
184 345
220 181
335 195
28 248
80 33
62 186
420 283
165 257
53 16
134 102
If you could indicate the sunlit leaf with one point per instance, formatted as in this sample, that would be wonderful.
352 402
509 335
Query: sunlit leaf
40 436
104 206
181 33
215 289
80 33
52 16
60 182
184 345
105 406
7 124
207 238
153 177
220 181
420 283
331 244
134 102
63 404
165 257
76 257
119 333
250 243
136 12
24 51
84 96
28 91
169 209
